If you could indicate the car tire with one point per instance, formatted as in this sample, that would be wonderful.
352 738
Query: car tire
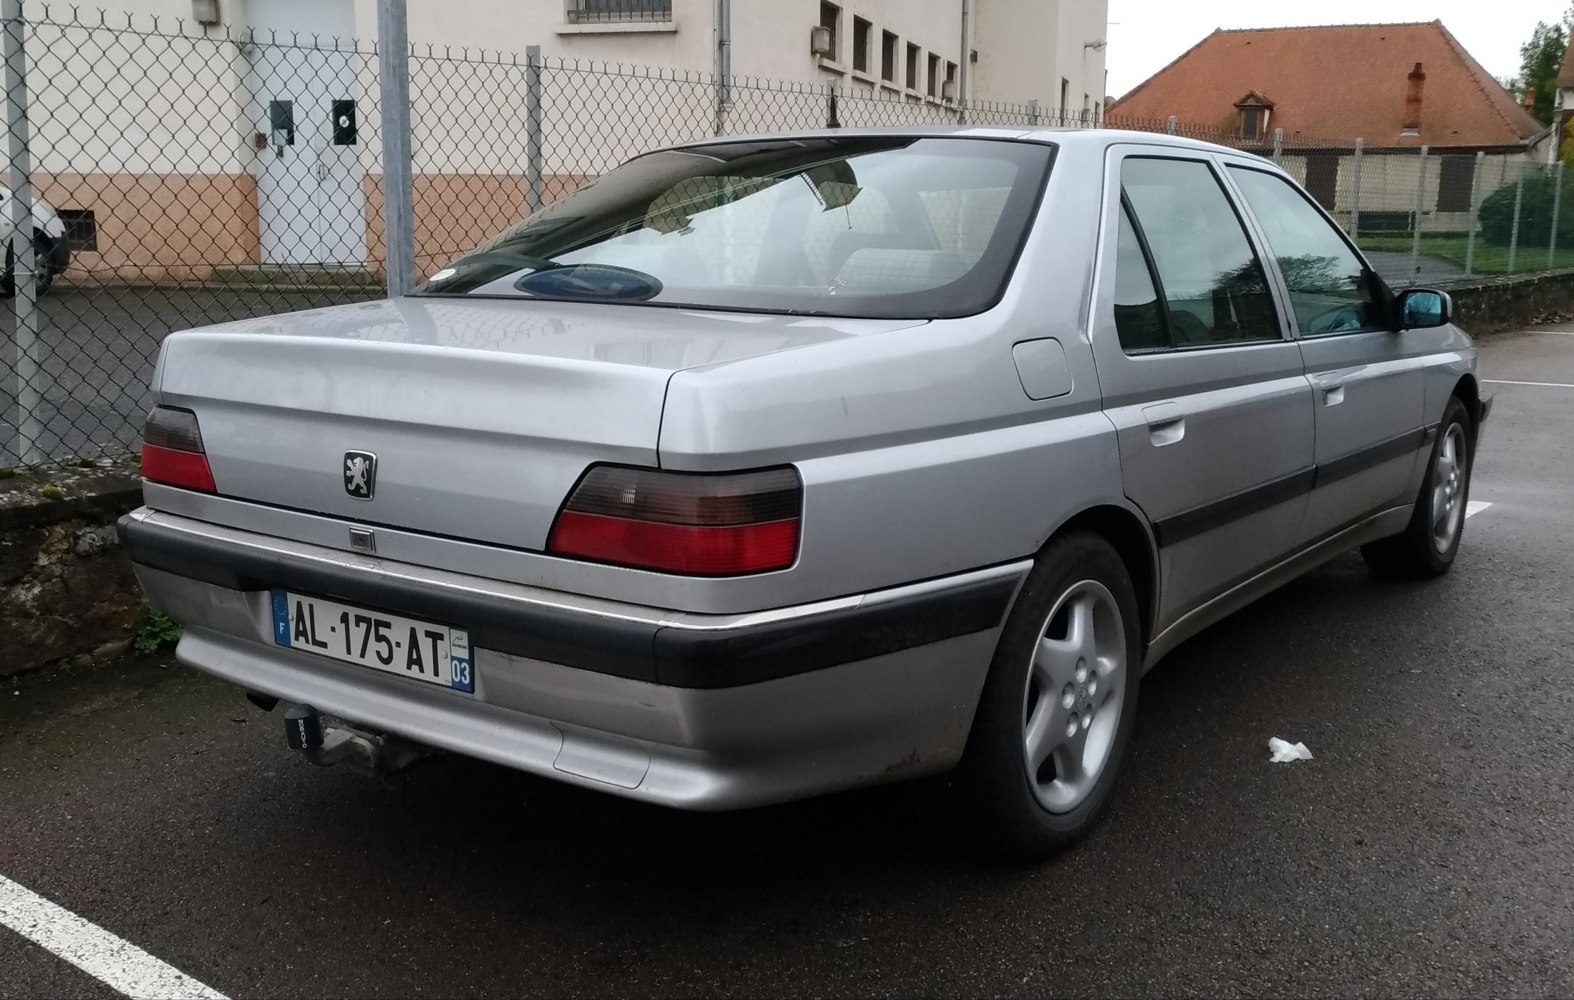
43 253
1427 546
1057 708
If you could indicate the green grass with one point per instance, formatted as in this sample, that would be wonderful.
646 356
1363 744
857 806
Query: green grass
158 631
1489 257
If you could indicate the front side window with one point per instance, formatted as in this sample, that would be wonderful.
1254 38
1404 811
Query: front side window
896 227
1331 290
1215 289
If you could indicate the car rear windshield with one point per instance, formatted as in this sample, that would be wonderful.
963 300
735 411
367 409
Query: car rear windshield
890 226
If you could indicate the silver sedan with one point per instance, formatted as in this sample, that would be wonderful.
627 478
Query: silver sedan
767 467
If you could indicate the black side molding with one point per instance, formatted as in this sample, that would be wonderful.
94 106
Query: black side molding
1371 456
1190 523
678 657
689 658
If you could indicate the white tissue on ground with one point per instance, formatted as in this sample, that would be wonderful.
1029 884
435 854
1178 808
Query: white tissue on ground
1284 752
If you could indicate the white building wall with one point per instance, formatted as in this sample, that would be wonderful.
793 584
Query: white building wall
162 142
1026 49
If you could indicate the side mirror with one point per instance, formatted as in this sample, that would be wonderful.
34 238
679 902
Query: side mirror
1424 309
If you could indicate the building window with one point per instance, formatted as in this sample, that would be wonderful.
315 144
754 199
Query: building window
1065 98
1455 183
1251 124
81 228
592 11
913 55
888 57
934 75
861 32
831 21
949 92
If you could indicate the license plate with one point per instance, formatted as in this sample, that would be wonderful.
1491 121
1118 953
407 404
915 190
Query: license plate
419 650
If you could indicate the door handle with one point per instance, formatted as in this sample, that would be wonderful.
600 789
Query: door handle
1166 423
1333 395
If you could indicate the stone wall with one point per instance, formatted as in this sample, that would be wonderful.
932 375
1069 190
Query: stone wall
66 586
1492 305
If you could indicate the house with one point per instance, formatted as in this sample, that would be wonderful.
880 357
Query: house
180 135
1563 104
1315 94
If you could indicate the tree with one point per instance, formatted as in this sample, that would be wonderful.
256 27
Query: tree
1539 62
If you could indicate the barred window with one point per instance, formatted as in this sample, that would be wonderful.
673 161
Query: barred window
583 11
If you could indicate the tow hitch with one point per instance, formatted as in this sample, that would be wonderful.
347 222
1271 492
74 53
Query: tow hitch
368 753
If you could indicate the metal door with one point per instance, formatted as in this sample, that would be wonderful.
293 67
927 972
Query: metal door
1208 395
310 203
1368 381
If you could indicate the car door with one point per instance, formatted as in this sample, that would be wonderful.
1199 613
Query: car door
1208 394
1367 380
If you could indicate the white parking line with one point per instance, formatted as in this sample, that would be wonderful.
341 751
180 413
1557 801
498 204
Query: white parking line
1475 507
120 965
1549 385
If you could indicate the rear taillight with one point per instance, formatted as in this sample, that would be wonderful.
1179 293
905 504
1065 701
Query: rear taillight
172 453
695 525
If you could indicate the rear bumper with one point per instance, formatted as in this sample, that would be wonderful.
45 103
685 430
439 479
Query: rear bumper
701 711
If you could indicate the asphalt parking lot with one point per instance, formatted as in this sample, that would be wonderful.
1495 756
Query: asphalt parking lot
1428 849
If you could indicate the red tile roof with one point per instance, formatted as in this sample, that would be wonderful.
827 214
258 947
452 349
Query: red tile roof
1336 84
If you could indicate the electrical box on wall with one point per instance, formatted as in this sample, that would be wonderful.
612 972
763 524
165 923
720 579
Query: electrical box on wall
344 126
205 12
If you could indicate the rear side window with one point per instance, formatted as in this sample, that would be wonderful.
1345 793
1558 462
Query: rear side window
1330 289
1139 316
1215 290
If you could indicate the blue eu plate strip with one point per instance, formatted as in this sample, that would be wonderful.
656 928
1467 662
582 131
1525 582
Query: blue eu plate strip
281 618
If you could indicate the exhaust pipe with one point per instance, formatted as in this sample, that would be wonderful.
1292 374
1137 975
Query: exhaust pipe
325 746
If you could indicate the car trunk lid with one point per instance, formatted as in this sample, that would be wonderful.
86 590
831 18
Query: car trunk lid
481 414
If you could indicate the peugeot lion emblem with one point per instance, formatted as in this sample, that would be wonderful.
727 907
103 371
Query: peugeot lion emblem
360 474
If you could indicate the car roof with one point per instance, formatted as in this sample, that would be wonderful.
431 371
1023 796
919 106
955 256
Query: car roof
1066 137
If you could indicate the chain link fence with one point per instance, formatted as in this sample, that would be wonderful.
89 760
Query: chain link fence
166 174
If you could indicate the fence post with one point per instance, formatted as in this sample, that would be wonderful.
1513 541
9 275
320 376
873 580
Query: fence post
723 63
1173 128
24 304
393 71
1278 146
1355 200
1557 213
1519 204
534 184
1415 236
1475 214
831 118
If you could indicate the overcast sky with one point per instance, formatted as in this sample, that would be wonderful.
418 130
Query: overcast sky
1150 33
